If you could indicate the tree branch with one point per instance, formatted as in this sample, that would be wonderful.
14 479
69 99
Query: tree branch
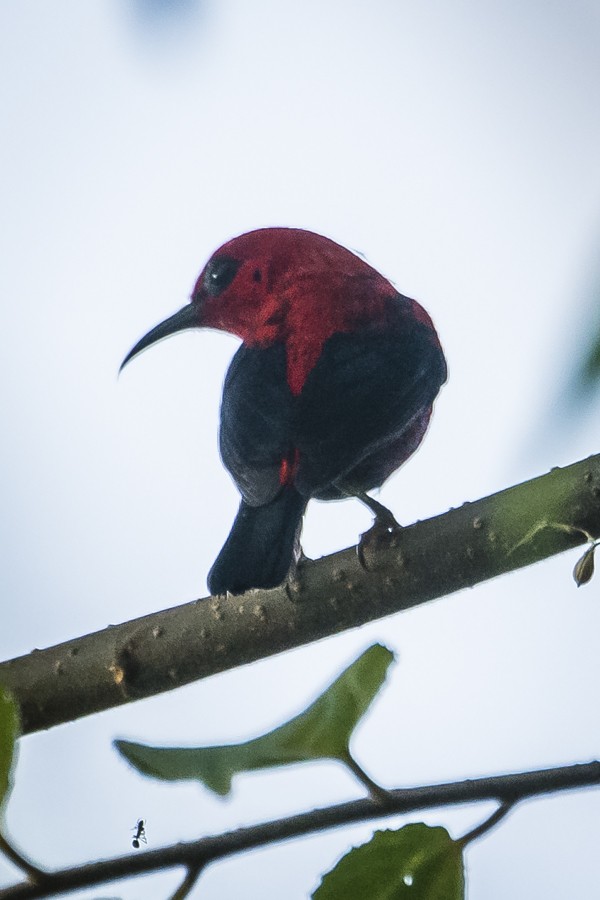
507 789
459 549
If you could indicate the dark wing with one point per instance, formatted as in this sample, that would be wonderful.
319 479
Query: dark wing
256 415
368 391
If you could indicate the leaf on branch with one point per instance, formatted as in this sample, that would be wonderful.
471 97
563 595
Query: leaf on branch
416 862
584 567
322 731
9 732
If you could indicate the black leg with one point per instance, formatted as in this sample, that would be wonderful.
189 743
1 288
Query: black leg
384 518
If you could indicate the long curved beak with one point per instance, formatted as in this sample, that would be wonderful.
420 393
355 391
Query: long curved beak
186 318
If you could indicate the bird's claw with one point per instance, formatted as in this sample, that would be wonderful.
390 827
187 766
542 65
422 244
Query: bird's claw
294 583
302 559
383 531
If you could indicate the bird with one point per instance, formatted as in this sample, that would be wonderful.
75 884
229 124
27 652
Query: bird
330 392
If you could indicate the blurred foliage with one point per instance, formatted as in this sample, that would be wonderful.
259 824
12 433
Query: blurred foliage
322 731
584 379
590 368
161 16
9 732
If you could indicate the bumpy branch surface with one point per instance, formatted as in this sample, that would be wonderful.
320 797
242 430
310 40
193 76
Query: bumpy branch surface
507 789
459 549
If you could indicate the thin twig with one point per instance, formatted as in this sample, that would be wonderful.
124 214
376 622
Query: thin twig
191 877
34 873
479 830
376 792
507 789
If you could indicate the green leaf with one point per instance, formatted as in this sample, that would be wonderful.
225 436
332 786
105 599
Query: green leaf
9 732
322 731
584 567
416 862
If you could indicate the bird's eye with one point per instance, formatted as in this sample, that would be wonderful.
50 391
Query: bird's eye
219 274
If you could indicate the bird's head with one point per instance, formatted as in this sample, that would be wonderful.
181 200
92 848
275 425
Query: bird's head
263 284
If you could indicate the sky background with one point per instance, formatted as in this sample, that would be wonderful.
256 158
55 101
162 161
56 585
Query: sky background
457 147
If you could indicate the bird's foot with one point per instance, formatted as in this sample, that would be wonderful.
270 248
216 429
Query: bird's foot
384 530
294 583
302 559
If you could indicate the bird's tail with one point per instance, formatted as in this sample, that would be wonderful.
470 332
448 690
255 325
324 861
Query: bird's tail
259 551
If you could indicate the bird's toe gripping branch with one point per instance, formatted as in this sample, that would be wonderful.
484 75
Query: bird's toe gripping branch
384 528
294 583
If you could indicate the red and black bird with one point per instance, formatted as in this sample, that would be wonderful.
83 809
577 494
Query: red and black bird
330 392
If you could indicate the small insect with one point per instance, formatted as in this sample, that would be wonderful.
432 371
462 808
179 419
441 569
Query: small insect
140 834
